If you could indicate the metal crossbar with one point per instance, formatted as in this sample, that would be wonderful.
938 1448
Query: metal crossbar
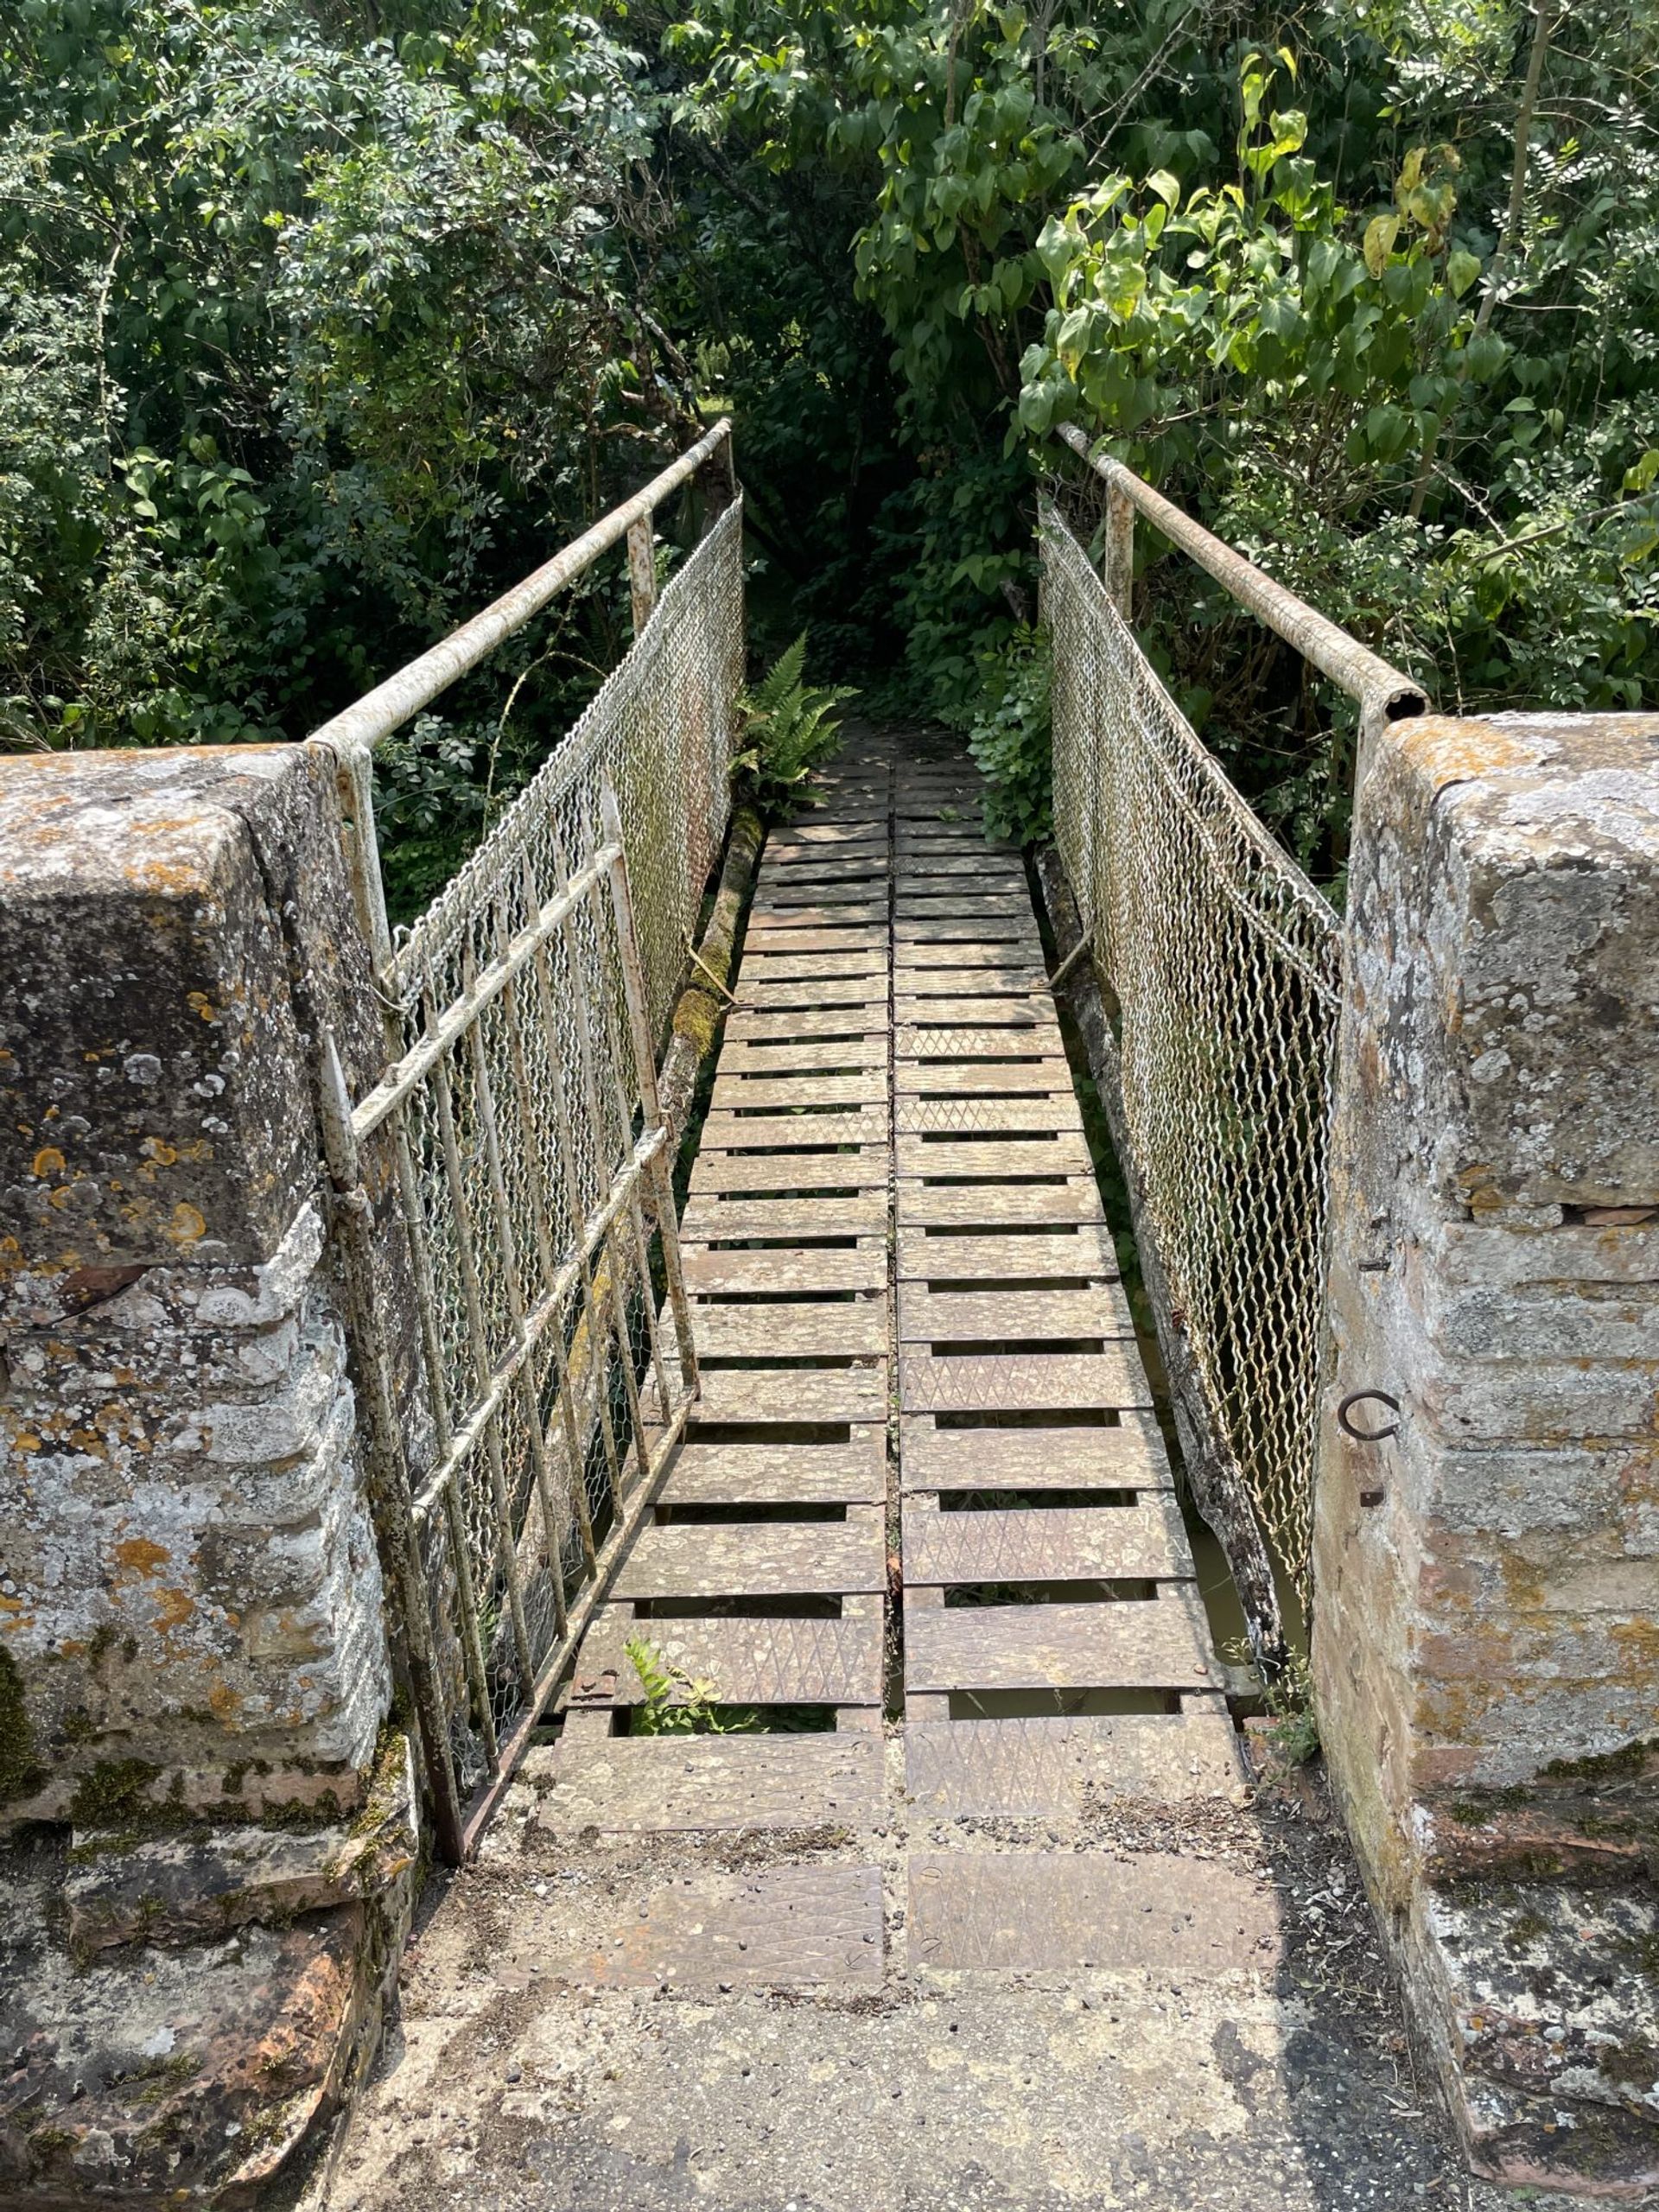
505 1205
1226 965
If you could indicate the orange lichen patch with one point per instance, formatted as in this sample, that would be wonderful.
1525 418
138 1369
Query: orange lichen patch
173 1608
202 1005
1445 749
140 1555
224 1701
158 1149
49 1160
188 1225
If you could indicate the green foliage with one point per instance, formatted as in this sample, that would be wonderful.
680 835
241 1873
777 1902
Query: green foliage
677 1703
1009 738
787 728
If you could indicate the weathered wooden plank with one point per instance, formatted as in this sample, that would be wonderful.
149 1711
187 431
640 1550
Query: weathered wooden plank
922 1204
983 1079
984 930
1032 1768
818 866
913 963
646 1785
791 1393
779 1093
1057 1152
727 1132
778 1474
815 1055
770 1268
916 903
790 1221
1086 1249
748 1025
1018 1381
815 992
1130 1455
756 1559
750 1659
780 921
797 1926
834 1328
846 942
1133 1644
995 1313
1097 1543
1032 1911
864 1167
775 897
775 964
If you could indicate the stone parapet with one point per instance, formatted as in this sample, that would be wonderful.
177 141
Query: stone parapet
1486 1649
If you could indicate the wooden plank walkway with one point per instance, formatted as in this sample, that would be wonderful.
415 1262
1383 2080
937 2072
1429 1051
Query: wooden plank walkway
920 1376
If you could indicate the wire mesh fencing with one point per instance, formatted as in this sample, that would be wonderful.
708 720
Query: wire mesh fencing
507 1277
1225 964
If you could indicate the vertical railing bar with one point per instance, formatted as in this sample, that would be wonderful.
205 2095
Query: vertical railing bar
478 1340
642 571
390 1473
646 1071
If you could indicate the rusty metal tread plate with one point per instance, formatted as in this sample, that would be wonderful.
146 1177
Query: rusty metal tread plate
1017 1381
985 1117
1104 1543
1128 1455
777 1093
805 1268
728 1132
1055 1152
1036 1078
750 1659
950 1040
988 1206
1086 1250
755 1558
667 1785
783 1925
1032 1768
862 1168
831 1328
995 1313
791 1393
1159 1643
854 1473
1014 1912
716 1220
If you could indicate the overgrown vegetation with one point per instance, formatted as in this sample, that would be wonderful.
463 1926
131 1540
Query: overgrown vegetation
677 1703
320 321
787 728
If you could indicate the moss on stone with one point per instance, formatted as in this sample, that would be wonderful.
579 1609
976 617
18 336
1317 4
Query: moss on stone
21 1772
112 1793
1629 1759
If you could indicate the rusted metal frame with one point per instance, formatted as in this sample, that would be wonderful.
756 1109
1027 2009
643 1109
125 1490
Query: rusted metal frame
404 1075
537 1321
482 1808
525 1380
1380 689
642 572
426 1305
478 1343
645 1070
389 1473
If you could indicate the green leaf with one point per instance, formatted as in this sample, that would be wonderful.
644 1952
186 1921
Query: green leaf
1461 270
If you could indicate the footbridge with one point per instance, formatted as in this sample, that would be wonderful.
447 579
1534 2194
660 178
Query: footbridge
625 1383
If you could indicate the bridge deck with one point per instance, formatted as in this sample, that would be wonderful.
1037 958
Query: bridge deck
917 1355
1006 1936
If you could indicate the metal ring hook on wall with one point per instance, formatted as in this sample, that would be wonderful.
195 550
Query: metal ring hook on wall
1367 1435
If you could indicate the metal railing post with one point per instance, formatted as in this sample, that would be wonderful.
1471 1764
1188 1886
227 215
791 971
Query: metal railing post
1118 566
642 571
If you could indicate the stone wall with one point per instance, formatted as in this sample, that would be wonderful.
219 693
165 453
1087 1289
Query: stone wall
1486 1650
190 1603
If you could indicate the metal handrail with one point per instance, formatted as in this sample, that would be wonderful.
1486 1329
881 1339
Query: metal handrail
1384 694
363 725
